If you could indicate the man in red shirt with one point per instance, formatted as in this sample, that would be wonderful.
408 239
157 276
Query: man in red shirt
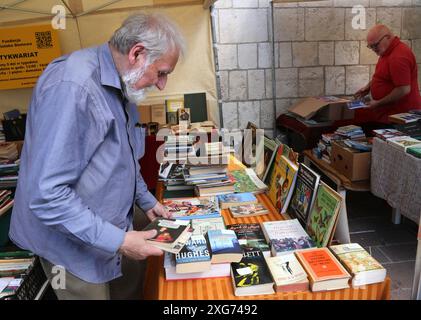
394 86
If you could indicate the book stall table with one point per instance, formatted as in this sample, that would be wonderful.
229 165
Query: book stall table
157 288
342 184
396 178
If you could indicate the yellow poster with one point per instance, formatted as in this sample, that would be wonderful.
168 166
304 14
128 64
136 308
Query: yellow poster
24 53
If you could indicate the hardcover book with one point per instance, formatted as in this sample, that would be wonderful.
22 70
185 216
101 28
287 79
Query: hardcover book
251 235
282 182
415 151
362 266
251 275
235 199
404 142
323 216
171 234
194 256
304 193
263 164
404 117
248 210
172 106
192 208
324 270
224 246
286 236
287 273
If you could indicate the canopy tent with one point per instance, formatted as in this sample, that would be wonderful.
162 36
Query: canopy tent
92 22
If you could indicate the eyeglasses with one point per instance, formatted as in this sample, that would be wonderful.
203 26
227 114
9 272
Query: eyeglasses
375 45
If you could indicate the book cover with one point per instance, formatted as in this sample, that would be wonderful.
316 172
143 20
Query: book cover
251 276
404 142
404 117
364 268
250 235
247 181
415 151
264 163
304 193
282 182
321 265
235 199
287 273
248 210
171 234
286 236
201 226
189 208
387 133
198 106
224 246
194 256
171 108
323 215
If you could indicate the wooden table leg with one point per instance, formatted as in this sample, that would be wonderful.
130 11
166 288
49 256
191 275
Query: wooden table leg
342 228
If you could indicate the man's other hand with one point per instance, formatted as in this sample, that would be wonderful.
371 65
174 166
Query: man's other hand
135 246
158 211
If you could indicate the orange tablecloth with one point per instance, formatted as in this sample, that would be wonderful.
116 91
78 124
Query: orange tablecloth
157 288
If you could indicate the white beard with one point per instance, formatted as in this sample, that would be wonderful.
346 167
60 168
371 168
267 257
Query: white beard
129 79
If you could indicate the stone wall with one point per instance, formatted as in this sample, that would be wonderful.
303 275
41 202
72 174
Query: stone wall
317 52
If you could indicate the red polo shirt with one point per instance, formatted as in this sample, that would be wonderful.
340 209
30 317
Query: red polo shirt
396 67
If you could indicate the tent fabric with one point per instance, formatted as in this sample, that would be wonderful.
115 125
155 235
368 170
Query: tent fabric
93 26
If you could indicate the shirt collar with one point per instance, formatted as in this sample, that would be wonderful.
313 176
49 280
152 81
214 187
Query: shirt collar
392 46
109 73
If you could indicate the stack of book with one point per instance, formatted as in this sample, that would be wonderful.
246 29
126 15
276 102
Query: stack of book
178 147
6 201
350 132
323 150
15 263
9 171
192 208
171 174
385 134
406 117
8 151
404 142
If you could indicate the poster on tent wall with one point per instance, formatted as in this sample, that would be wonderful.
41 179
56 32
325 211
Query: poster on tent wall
24 53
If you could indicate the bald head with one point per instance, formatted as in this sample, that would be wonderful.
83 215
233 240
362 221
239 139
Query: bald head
379 38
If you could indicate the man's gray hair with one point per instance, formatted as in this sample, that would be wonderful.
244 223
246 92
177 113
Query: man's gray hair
156 33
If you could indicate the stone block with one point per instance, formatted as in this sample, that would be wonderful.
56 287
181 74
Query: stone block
350 3
227 56
416 48
230 115
390 3
347 52
248 111
266 114
286 82
288 24
282 106
238 85
264 54
256 84
411 23
221 4
358 34
310 82
245 3
324 24
223 80
285 54
391 17
247 56
243 25
356 78
268 83
335 80
326 53
305 54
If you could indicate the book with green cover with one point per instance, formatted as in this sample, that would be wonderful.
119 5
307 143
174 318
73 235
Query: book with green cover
415 151
323 215
247 181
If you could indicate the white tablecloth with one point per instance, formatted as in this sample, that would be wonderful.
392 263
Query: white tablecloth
396 177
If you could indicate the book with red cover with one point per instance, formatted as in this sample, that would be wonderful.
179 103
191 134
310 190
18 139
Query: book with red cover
324 270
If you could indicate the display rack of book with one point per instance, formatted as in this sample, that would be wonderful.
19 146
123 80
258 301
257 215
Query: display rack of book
221 288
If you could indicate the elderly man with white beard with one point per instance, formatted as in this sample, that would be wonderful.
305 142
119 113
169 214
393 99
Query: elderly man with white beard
79 174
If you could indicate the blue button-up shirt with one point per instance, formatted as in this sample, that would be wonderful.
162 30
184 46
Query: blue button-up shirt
79 173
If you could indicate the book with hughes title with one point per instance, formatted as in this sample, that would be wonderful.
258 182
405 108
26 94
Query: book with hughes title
194 256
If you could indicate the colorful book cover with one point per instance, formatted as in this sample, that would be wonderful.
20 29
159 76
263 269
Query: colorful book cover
168 229
304 193
223 241
321 264
264 163
252 270
249 210
355 258
195 250
415 151
237 198
247 181
323 215
201 226
281 183
250 235
286 236
192 208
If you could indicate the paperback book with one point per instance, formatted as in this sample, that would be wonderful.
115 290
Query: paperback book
251 275
192 208
201 226
194 256
248 210
224 246
250 235
247 181
235 199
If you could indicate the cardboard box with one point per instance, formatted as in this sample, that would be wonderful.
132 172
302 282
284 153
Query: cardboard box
328 108
353 164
